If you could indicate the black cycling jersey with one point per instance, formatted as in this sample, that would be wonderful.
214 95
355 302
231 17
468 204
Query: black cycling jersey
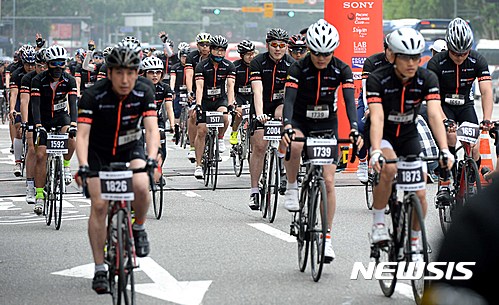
401 102
178 70
72 67
192 60
456 81
16 77
311 93
88 78
242 85
272 74
163 93
26 88
48 97
169 62
13 66
214 76
374 62
115 121
102 71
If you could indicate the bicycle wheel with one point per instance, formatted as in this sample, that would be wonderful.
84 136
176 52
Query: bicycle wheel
158 198
445 213
58 191
125 261
415 214
317 227
273 185
207 157
263 186
183 128
472 179
238 153
302 239
47 201
215 160
369 191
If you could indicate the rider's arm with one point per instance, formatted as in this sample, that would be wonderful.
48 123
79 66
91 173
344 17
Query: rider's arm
35 100
376 113
86 65
150 119
25 86
173 79
349 96
231 81
199 83
257 86
73 107
86 109
14 90
435 113
485 85
189 73
290 93
169 106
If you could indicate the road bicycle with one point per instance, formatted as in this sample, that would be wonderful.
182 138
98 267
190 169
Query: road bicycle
211 154
241 151
403 215
57 146
184 117
466 176
117 187
309 224
4 108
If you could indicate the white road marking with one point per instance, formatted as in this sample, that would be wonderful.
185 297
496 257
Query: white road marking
30 221
190 194
405 290
273 231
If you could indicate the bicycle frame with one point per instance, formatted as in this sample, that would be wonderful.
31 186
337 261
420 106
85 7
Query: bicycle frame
467 155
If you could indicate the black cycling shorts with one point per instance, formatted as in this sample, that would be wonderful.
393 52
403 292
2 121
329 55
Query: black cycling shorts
99 160
213 106
244 99
404 147
460 114
306 126
268 109
59 120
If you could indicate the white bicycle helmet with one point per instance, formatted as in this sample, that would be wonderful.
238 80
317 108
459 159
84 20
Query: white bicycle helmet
106 51
131 39
183 49
459 36
203 37
322 37
439 45
56 52
152 63
406 41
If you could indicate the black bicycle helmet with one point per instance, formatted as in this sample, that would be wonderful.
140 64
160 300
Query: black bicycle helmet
245 46
40 56
124 55
277 34
218 41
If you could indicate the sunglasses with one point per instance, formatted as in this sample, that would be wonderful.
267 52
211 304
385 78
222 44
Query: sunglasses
299 51
98 57
275 44
321 54
460 54
406 57
154 71
58 63
41 66
204 45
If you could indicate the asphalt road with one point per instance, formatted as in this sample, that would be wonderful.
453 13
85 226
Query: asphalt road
208 248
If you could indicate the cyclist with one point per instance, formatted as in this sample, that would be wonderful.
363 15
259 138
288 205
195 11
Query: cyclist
28 60
103 67
194 57
371 64
313 82
394 95
88 71
50 92
268 73
177 81
153 69
438 46
297 47
168 55
27 116
213 94
456 70
244 95
109 116
76 69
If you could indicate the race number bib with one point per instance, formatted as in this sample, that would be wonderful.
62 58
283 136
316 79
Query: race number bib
212 92
116 185
468 132
129 136
246 111
244 90
321 151
57 143
318 112
272 131
60 106
410 176
401 118
278 95
214 119
454 99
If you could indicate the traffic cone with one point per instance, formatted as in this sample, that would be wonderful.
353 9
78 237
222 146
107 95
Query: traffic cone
351 167
486 155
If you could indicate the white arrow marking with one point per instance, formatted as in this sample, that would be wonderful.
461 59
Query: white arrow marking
165 286
273 231
190 194
8 206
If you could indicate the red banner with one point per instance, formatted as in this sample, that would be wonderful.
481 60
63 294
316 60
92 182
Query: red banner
360 24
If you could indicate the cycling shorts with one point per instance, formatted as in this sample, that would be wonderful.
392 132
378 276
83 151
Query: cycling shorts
460 114
58 121
98 160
